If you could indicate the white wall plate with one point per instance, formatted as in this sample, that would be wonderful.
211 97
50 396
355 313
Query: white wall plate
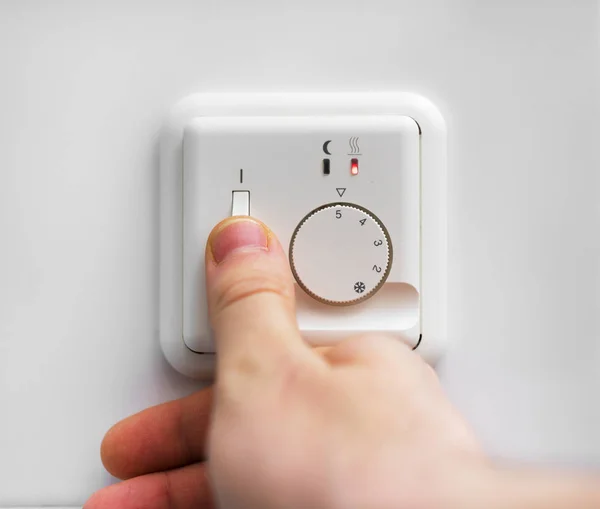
363 165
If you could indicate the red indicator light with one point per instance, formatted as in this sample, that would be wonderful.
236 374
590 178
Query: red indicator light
354 167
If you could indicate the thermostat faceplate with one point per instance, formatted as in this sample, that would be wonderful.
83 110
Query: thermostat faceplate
352 184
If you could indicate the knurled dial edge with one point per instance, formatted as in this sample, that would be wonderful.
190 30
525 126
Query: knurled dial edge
381 228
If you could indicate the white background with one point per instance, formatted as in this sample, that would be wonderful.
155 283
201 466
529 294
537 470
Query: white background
84 87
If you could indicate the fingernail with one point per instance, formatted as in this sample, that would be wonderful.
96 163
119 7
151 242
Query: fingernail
237 233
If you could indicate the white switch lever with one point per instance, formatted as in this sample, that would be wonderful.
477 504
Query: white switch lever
240 203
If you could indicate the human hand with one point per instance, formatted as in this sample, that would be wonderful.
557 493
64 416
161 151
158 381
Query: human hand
364 424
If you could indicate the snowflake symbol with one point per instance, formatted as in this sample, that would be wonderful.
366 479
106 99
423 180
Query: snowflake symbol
359 287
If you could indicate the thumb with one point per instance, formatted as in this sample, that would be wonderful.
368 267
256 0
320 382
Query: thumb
251 303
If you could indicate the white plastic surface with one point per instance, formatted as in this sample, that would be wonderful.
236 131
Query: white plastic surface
278 161
240 203
275 151
341 254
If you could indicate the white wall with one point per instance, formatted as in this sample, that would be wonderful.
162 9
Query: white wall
83 90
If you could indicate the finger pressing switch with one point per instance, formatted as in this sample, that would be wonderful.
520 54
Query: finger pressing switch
240 203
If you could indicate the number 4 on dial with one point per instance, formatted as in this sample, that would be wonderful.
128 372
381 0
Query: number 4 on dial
363 221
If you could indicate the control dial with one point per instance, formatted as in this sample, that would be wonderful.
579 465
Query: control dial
340 254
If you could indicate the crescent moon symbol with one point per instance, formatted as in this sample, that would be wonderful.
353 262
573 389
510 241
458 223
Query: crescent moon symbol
326 147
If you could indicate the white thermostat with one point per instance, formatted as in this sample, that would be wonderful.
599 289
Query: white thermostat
353 185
